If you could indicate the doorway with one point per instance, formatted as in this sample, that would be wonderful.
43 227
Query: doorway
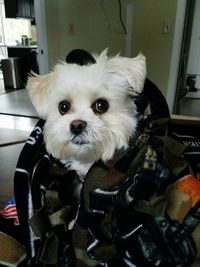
187 98
40 19
18 49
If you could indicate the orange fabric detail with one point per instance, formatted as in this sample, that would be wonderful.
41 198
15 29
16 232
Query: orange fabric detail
191 186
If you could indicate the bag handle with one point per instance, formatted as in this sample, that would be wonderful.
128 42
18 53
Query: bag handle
151 95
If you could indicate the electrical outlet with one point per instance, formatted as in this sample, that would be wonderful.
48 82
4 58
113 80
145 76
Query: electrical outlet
166 26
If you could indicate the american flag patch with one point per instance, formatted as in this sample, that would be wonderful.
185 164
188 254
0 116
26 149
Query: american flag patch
10 211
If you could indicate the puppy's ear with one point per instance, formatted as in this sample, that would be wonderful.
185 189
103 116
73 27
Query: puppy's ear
39 89
133 70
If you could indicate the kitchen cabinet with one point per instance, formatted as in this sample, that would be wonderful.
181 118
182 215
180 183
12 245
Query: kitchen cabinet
19 9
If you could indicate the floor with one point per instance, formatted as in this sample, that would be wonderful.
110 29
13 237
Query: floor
17 119
17 103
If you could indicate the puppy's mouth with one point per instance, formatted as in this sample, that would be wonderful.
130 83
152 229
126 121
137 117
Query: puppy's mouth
79 140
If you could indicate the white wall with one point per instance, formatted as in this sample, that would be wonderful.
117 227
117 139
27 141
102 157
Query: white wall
94 25
90 24
148 37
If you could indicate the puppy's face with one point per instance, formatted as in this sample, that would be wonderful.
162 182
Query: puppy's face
89 110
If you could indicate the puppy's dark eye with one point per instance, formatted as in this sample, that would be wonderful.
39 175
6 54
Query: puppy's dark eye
100 106
64 107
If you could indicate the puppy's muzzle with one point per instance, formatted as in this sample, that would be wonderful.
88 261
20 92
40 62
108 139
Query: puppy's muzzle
77 126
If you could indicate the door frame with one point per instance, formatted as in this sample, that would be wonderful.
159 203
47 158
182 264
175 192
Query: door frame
176 53
181 90
40 19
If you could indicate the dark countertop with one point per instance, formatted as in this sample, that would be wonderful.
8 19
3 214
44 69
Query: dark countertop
19 46
22 46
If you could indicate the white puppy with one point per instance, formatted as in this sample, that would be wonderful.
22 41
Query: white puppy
89 110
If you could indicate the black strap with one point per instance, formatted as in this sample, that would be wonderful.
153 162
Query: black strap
22 177
151 95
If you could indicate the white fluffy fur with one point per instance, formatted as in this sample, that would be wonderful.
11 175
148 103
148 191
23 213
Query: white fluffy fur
114 79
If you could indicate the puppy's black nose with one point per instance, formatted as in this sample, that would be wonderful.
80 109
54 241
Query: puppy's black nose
77 126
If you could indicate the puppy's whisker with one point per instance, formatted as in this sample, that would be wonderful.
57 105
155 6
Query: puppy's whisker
97 136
